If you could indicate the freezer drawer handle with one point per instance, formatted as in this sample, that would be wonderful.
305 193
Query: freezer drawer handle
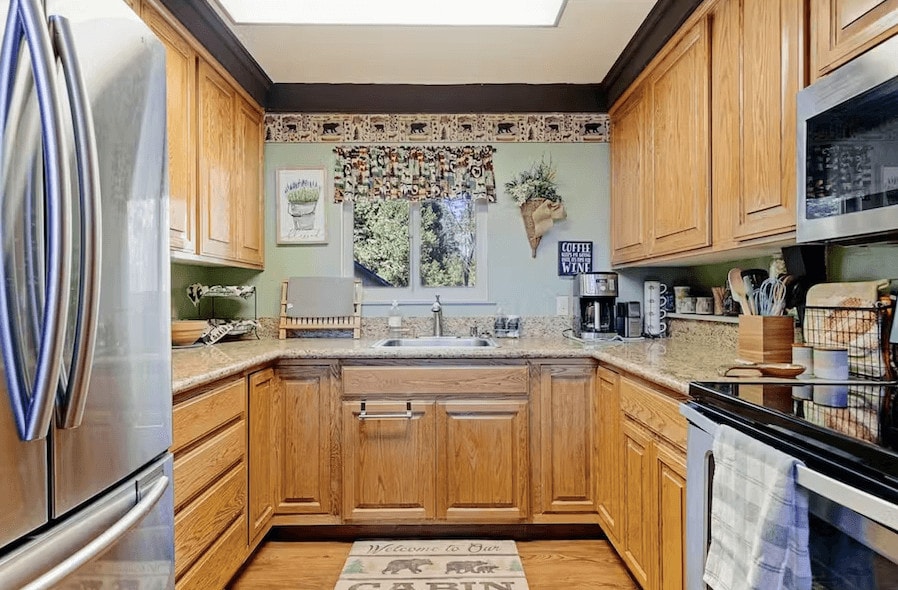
406 415
33 410
73 391
104 541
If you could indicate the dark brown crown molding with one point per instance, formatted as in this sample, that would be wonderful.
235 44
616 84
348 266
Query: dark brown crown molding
658 27
204 23
421 98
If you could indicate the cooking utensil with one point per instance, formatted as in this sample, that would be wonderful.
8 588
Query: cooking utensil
737 288
770 297
753 278
781 370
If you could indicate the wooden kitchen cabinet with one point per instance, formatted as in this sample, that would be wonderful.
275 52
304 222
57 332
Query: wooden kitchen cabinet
307 422
637 490
262 454
180 78
565 442
210 482
630 176
610 455
388 462
679 195
654 486
757 70
462 456
215 141
482 460
843 29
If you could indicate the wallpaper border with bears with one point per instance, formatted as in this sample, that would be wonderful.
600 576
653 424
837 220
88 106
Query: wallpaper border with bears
516 127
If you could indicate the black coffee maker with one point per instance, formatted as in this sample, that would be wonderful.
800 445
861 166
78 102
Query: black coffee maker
594 298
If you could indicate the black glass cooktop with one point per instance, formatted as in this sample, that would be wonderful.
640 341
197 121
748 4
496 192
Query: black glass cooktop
848 431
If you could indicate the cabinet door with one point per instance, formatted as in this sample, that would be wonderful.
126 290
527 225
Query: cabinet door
215 112
639 500
388 462
670 478
248 192
307 415
180 79
679 194
843 29
482 460
772 74
262 454
630 175
568 440
610 445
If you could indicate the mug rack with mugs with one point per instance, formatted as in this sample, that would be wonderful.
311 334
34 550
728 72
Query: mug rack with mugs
655 296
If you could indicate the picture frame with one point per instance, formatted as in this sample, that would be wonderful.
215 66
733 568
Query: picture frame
301 209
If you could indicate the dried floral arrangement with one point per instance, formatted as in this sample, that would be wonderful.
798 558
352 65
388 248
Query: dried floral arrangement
536 192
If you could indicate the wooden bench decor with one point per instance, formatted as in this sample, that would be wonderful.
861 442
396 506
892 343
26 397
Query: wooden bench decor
350 322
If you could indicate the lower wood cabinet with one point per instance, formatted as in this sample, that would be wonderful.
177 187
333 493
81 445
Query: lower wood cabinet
436 442
388 462
306 421
210 484
262 456
653 476
565 441
610 455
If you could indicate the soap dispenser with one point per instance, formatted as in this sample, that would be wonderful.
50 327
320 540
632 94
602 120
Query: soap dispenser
394 321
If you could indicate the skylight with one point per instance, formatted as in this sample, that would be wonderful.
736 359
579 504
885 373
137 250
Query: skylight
513 13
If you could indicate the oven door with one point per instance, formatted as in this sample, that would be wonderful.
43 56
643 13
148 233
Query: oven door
853 535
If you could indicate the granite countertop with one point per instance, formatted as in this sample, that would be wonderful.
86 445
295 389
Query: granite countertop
671 363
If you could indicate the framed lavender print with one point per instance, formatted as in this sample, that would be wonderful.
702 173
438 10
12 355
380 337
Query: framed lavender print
301 211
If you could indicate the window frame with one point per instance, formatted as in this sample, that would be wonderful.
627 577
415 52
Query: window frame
415 292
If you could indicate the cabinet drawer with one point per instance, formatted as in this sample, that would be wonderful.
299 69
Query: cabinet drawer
201 415
660 413
434 380
205 519
220 562
201 466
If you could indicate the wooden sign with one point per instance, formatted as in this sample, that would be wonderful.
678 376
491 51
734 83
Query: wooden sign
574 258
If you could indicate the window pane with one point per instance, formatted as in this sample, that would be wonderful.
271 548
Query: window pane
381 243
448 237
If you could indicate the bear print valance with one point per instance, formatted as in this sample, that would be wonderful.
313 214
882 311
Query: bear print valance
415 173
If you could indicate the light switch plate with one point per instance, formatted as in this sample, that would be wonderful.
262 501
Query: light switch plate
562 305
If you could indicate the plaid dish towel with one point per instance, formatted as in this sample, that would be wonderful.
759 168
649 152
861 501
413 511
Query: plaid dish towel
759 518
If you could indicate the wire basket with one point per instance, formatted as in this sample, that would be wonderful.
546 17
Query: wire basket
862 330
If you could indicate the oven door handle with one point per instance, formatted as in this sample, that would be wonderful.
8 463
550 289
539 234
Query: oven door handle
865 504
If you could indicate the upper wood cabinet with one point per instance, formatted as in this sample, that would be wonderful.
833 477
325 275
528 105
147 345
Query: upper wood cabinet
216 105
180 77
843 29
630 174
215 142
679 195
566 442
757 70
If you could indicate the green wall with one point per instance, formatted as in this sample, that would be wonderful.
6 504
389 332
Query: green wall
517 283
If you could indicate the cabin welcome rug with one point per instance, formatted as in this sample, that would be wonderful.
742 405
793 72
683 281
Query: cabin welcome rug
432 565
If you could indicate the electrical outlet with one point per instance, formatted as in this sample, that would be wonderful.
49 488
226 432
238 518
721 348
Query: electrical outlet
562 305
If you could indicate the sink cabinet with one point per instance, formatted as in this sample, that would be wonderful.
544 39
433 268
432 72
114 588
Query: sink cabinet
461 455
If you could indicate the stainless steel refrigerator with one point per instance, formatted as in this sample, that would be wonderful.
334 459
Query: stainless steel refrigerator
85 378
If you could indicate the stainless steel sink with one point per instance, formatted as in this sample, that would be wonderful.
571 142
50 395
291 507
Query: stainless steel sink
436 342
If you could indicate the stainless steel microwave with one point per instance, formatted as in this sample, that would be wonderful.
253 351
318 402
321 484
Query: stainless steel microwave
848 151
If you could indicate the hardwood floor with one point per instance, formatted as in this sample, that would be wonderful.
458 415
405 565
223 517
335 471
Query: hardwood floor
549 565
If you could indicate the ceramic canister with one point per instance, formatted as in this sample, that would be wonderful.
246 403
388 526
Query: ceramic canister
830 363
803 354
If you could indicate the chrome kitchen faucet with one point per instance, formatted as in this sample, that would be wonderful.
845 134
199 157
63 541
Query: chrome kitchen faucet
437 310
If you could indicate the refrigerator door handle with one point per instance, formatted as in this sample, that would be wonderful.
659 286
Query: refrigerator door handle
99 544
33 410
73 391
